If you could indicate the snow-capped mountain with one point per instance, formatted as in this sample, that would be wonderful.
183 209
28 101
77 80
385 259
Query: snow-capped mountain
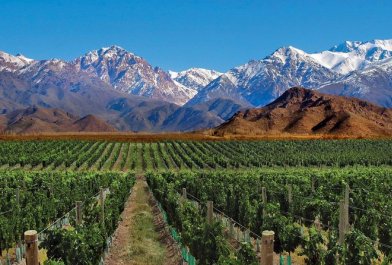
354 55
195 78
102 80
259 82
132 74
64 85
374 83
12 63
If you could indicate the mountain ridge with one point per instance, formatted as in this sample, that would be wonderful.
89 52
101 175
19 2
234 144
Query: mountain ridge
259 82
304 111
100 81
39 120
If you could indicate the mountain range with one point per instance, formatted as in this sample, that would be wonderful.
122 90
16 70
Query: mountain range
356 69
126 91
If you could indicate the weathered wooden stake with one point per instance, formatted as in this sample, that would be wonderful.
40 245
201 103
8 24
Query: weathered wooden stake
347 196
17 196
313 184
344 224
247 236
102 202
267 248
231 228
264 196
78 212
290 194
31 240
317 223
184 195
210 212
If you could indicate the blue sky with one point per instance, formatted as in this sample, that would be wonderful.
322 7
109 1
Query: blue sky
179 34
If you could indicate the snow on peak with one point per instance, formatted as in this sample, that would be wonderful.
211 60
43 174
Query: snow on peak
285 53
12 63
173 74
349 46
195 78
24 58
346 46
354 55
113 52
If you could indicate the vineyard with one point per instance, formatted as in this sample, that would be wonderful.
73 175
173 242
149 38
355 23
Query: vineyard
327 201
177 155
302 208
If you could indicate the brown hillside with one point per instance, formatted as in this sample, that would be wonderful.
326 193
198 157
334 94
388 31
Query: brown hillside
303 111
39 120
90 123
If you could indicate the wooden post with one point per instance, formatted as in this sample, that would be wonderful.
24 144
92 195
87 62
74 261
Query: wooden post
264 196
290 194
231 228
247 235
267 248
17 196
344 224
31 240
210 212
102 202
184 195
78 213
317 223
346 207
347 197
313 185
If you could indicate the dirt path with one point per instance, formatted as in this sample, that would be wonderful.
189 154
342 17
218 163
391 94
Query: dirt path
141 237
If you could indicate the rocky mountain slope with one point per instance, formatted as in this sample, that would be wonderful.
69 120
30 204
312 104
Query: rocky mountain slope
195 78
132 74
38 120
62 85
303 111
374 83
259 82
354 55
126 91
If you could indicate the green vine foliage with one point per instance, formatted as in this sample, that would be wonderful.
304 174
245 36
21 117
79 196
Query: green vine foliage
34 199
358 249
239 195
84 244
206 241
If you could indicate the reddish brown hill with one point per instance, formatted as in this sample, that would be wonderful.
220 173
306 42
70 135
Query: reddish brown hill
39 120
90 123
303 111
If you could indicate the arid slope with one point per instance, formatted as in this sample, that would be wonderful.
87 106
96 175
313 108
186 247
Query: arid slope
303 111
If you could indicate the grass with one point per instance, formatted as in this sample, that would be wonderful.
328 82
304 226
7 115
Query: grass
144 246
